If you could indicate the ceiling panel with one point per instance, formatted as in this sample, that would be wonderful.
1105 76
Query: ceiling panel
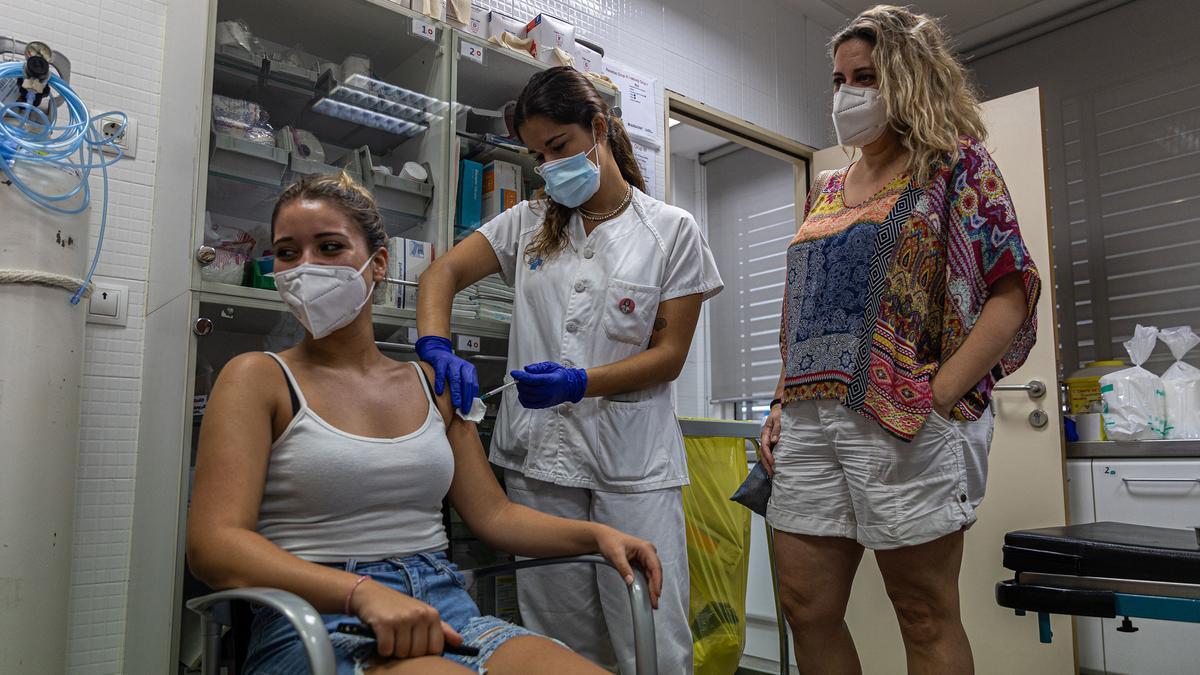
689 141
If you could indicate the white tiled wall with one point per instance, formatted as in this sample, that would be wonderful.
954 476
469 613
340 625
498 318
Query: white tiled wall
115 49
761 60
757 59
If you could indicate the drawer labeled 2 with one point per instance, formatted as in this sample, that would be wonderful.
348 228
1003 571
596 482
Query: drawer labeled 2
1161 493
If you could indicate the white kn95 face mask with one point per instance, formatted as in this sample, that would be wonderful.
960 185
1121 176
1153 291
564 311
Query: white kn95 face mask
859 115
324 297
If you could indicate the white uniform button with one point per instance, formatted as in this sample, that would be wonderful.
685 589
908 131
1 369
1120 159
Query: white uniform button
580 286
566 409
572 327
587 253
567 363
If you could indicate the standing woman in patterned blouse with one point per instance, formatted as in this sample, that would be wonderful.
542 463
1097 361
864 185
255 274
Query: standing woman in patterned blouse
909 293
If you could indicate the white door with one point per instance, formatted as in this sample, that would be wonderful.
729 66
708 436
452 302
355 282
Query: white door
1026 485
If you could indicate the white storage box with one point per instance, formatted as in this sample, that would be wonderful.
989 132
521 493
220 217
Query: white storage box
587 59
499 22
548 32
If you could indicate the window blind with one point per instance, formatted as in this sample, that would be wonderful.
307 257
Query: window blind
1131 154
751 219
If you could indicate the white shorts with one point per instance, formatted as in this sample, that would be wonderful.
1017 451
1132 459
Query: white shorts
839 474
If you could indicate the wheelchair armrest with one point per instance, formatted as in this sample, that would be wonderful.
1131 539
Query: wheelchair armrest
214 610
639 601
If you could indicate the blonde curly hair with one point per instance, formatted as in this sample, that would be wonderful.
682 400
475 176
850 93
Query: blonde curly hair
930 101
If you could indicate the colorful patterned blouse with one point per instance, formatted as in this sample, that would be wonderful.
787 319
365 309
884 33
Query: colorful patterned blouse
880 294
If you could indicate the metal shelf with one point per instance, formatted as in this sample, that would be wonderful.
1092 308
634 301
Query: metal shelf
242 160
289 101
502 75
264 309
1133 449
477 148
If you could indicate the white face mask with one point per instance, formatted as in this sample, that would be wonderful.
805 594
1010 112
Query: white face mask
324 297
859 115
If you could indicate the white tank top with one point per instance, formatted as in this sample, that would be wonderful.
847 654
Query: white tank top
331 496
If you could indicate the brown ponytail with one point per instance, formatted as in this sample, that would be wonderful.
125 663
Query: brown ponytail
622 150
565 95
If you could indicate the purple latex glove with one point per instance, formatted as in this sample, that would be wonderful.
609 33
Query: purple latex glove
449 368
547 384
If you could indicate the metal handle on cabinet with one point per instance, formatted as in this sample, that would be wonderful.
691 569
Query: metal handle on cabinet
488 359
1160 480
395 346
206 255
202 326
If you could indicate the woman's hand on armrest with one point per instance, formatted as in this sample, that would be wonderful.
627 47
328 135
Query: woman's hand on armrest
620 548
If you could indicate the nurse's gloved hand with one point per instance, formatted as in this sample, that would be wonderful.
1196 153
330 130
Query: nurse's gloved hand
547 384
449 368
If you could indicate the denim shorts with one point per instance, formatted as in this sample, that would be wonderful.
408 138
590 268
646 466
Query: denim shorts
275 648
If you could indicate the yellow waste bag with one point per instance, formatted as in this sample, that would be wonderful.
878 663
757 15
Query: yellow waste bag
718 547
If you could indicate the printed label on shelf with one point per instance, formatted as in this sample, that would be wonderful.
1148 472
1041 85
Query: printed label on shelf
424 29
471 51
468 343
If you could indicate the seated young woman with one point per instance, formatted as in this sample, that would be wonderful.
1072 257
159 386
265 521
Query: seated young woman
322 470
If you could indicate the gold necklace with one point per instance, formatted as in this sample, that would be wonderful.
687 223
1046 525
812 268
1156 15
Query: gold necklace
592 215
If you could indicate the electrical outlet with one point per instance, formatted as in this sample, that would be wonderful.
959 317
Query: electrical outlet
126 139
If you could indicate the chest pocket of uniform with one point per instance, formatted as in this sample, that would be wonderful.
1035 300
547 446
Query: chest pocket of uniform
629 311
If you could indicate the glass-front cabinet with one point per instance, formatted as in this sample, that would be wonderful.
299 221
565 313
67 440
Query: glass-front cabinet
409 107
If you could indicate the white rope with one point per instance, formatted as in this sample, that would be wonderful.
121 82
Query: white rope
32 277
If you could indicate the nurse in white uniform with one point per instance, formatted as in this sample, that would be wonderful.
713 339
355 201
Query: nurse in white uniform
609 284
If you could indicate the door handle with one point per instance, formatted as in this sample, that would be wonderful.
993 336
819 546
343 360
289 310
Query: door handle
1035 388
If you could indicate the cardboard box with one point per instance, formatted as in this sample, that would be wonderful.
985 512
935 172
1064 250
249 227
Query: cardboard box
498 175
588 60
470 195
478 26
547 32
417 257
390 295
501 188
499 22
495 203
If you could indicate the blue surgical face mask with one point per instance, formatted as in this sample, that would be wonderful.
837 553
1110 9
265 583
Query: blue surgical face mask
573 180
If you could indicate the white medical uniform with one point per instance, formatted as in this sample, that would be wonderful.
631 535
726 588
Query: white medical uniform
617 460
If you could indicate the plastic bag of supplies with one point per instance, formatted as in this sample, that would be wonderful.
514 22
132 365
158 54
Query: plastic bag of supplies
1181 383
1134 400
718 547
